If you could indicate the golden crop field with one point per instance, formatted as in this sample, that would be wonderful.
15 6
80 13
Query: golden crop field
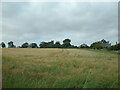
59 68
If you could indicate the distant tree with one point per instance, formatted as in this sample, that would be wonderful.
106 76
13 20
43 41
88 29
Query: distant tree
75 47
115 47
105 43
11 45
50 44
3 45
96 45
25 45
100 44
43 45
72 46
57 44
33 45
118 46
47 44
66 43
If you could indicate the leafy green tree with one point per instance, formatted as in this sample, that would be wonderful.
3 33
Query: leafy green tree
47 44
57 44
11 45
66 43
105 43
25 45
96 45
118 46
3 45
100 44
50 44
72 46
33 45
115 47
43 45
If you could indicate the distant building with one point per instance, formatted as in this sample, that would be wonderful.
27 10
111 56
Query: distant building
83 46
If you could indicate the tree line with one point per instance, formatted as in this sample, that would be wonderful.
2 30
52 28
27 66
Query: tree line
66 44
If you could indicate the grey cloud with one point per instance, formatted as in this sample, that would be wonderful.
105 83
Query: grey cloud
82 22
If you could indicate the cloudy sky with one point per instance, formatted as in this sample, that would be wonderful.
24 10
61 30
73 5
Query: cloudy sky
44 21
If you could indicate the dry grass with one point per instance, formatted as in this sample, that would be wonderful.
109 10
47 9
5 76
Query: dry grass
57 68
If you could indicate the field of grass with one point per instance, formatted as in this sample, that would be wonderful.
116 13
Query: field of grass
59 68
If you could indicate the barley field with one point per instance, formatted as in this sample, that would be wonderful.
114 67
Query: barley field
59 68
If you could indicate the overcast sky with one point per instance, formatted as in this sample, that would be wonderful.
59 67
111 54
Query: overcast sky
45 21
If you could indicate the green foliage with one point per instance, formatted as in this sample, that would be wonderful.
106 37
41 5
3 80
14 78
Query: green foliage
57 44
66 43
100 44
72 46
96 45
11 45
50 44
43 45
3 45
25 45
33 45
115 47
47 44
